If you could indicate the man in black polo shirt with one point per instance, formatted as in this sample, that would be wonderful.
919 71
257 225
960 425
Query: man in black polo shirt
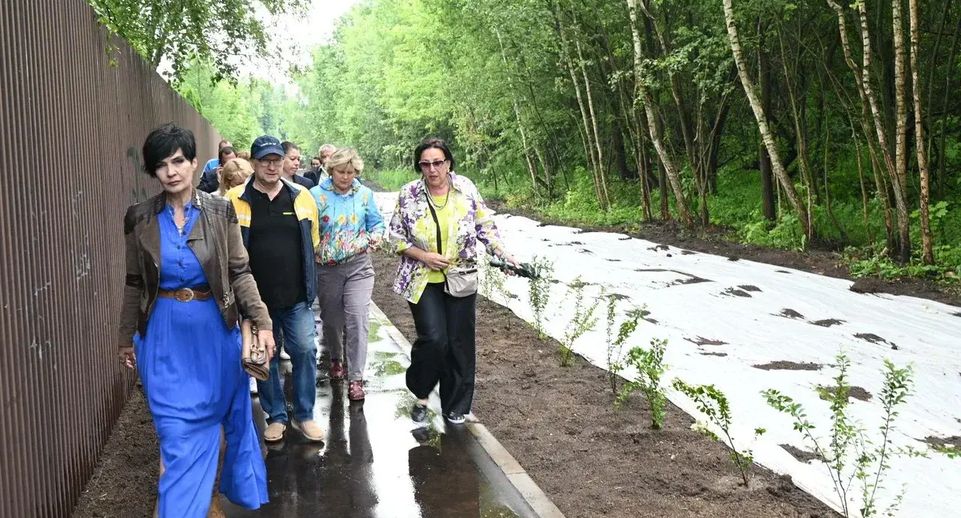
278 221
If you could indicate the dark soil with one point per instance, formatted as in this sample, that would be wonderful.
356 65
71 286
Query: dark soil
590 459
783 365
799 454
943 442
875 339
125 482
859 393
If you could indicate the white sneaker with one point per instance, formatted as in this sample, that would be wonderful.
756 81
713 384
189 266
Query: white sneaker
253 386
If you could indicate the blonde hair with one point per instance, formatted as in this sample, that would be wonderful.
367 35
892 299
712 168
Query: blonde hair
345 156
233 173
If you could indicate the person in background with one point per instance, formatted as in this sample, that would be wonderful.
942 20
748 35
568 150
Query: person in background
278 223
208 176
441 204
350 227
324 153
187 284
292 165
235 172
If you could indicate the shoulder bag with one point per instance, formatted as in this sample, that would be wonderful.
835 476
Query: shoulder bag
459 281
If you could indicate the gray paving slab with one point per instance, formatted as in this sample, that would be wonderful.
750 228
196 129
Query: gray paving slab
375 462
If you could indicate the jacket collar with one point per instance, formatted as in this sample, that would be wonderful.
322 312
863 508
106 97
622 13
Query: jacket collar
420 188
197 199
249 188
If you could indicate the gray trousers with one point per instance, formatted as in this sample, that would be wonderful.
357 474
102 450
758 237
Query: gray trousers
344 291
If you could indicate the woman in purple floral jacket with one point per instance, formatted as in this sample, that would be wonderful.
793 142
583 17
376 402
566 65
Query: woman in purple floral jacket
444 205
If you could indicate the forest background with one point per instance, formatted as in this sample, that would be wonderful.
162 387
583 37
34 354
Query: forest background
800 124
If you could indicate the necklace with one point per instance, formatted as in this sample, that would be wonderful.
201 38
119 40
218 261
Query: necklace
430 197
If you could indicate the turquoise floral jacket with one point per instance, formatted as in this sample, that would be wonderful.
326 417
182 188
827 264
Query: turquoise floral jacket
412 225
349 223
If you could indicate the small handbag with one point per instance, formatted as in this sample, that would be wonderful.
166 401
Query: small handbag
253 355
459 281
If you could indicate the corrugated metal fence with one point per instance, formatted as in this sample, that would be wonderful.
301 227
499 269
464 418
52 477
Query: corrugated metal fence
73 116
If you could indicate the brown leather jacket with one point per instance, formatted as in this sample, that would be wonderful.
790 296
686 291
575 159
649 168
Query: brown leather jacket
215 240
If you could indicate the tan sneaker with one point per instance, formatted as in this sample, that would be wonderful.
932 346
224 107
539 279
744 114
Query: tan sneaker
275 432
311 430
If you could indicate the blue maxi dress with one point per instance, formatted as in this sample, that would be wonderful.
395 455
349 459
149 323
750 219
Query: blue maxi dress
189 364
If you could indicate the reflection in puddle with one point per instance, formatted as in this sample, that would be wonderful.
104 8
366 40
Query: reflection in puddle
375 462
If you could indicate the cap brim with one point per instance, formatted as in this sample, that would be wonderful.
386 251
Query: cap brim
269 150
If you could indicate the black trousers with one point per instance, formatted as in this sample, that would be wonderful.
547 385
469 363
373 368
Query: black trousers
444 350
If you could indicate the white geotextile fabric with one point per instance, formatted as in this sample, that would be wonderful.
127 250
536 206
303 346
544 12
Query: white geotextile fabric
754 332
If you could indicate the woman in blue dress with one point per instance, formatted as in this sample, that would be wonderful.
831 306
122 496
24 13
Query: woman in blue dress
187 285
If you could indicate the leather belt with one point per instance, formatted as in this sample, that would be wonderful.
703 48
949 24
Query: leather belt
344 260
184 294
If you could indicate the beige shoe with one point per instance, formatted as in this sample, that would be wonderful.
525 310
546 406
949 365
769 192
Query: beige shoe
275 432
311 430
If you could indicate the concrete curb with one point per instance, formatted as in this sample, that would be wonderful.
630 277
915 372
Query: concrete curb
518 477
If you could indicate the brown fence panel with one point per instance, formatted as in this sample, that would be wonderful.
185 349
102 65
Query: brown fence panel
75 106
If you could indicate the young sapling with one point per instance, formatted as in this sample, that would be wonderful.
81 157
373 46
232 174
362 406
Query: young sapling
650 369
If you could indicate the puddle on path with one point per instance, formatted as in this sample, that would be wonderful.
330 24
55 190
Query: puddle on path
374 462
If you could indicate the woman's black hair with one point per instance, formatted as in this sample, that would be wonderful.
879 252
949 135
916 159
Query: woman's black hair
435 143
165 141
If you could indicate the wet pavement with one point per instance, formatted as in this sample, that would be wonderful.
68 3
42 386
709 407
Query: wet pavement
374 461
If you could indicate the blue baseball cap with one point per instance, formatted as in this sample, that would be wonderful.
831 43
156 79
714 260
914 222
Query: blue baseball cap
266 145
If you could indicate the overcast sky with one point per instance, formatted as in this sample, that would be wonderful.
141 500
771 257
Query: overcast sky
297 35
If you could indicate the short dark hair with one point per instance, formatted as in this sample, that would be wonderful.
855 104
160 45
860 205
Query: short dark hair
226 150
288 145
165 141
436 143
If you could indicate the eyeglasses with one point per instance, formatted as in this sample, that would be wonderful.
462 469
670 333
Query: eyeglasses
270 163
436 164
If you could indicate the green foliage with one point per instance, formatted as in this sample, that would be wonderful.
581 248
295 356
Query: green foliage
650 368
539 288
479 73
615 343
391 179
180 32
581 322
849 455
875 261
714 405
232 108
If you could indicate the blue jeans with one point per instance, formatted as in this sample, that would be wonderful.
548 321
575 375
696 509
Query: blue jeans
294 327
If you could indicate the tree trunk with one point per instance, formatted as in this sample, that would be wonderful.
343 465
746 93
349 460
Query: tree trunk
601 176
654 128
927 245
762 122
871 122
764 160
901 134
585 120
531 168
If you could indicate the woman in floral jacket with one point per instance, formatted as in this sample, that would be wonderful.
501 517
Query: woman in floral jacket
350 226
446 207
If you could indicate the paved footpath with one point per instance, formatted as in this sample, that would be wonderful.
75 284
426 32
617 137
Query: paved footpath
376 463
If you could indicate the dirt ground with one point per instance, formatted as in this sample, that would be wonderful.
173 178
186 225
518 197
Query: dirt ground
590 459
560 424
